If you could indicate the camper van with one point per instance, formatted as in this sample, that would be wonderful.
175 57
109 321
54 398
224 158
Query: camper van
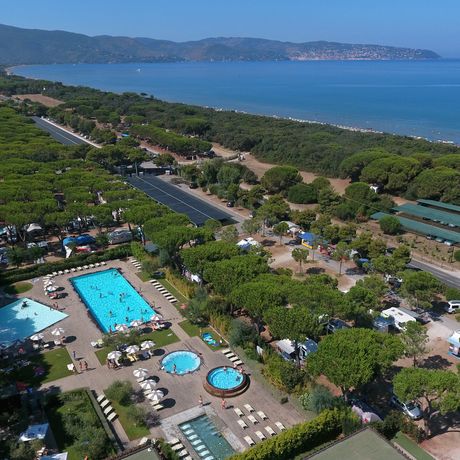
120 236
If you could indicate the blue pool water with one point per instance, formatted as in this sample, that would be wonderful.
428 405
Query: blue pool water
17 323
225 378
206 439
111 299
185 362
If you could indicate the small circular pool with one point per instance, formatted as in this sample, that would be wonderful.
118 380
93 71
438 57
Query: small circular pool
180 362
226 382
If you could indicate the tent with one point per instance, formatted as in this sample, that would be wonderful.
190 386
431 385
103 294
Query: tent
454 341
310 240
287 350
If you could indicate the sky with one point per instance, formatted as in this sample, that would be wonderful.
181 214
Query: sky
430 24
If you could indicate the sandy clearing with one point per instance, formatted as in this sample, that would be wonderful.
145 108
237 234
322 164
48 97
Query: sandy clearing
45 100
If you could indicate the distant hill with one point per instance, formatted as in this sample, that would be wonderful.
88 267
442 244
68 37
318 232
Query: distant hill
33 46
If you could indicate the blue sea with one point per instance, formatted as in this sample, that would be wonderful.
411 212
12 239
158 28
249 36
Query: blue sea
416 98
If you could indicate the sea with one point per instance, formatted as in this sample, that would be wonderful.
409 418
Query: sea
414 98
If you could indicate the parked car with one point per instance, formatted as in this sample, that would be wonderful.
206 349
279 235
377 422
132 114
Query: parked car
335 325
158 274
291 243
452 306
411 408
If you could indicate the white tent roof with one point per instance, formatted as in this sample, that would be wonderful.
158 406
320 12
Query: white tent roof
398 315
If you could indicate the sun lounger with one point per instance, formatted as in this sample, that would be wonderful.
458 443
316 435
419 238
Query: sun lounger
182 453
270 431
238 412
108 409
173 441
156 406
252 419
249 408
104 403
238 362
262 415
260 435
233 359
131 358
249 440
60 272
85 267
79 269
100 398
112 416
242 424
73 270
97 264
188 458
103 263
227 351
280 426
54 273
179 446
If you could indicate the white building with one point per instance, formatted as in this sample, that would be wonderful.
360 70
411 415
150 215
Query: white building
400 318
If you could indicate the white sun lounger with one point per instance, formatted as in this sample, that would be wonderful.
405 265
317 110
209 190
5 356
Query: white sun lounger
249 440
242 424
270 431
262 415
157 406
182 453
280 426
249 408
238 363
252 419
173 441
179 446
108 409
100 398
238 412
112 416
260 435
227 351
104 403
233 358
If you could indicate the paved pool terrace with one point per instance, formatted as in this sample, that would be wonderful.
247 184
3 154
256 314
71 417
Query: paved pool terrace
111 299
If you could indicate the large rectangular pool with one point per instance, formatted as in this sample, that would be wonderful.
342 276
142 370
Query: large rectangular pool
25 317
111 299
206 439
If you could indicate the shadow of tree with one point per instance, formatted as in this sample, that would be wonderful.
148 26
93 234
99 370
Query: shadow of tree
435 362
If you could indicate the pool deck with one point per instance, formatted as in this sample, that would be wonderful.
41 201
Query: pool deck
182 393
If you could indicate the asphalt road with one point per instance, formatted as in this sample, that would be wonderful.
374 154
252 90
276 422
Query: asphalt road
449 279
57 133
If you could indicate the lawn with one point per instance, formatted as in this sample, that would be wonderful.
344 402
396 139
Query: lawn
18 288
45 367
144 276
196 331
132 431
161 339
412 447
167 285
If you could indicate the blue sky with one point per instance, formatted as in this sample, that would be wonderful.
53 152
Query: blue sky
431 24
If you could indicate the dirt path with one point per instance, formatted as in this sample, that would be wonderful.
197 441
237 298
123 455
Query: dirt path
45 100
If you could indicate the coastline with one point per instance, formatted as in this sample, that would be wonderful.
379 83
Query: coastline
353 128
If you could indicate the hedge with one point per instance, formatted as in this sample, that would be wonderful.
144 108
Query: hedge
20 274
296 440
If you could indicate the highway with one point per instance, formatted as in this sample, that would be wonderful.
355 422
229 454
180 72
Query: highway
450 279
59 134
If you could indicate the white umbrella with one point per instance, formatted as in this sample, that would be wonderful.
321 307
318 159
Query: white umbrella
48 283
114 355
147 344
156 317
148 384
51 288
57 331
136 323
155 396
140 373
37 337
132 349
122 328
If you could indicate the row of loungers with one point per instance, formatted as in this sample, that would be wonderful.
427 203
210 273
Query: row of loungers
136 263
179 449
78 269
107 409
232 357
162 290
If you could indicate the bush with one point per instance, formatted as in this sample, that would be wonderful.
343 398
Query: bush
138 251
284 374
185 287
137 415
151 265
303 194
390 225
221 322
319 399
296 440
120 391
240 333
457 255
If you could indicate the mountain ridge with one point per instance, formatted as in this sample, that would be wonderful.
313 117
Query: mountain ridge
37 46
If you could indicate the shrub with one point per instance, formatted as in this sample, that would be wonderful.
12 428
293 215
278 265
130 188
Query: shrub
300 438
166 450
151 265
137 415
303 194
284 374
392 423
319 399
240 333
120 391
185 287
221 322
390 225
138 251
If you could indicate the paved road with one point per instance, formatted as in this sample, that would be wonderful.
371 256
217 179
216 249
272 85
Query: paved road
450 279
59 134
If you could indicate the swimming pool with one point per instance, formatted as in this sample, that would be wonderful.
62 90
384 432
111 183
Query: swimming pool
206 439
226 382
111 299
18 323
181 362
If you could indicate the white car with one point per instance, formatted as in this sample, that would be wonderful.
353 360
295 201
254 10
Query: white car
452 306
411 409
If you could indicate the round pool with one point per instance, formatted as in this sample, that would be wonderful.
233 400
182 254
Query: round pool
226 382
180 362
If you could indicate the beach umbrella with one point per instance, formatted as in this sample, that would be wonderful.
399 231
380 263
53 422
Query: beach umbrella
155 396
136 323
147 344
132 349
57 331
148 384
122 328
156 317
114 355
140 373
48 283
37 337
51 288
